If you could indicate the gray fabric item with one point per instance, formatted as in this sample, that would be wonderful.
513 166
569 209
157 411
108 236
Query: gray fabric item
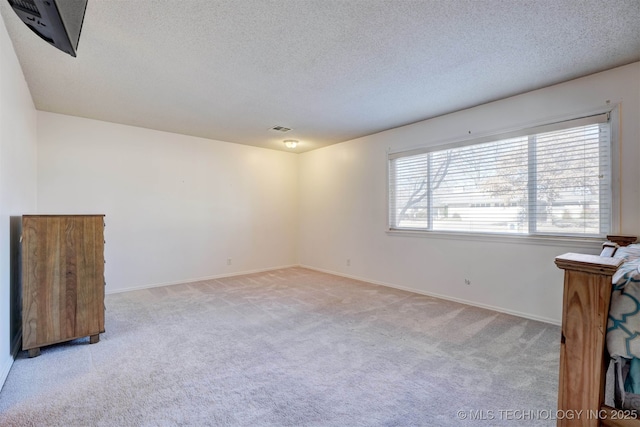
291 347
623 399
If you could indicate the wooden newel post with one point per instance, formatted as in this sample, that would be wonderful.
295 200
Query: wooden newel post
585 308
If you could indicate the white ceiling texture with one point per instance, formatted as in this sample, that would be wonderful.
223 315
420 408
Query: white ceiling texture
331 70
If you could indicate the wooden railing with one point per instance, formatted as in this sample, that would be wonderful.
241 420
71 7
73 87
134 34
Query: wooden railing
583 355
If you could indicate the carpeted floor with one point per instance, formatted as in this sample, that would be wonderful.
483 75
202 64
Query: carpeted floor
291 347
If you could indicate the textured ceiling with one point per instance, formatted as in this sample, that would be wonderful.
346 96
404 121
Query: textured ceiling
330 70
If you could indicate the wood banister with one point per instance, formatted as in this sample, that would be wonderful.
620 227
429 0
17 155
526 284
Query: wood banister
621 239
585 307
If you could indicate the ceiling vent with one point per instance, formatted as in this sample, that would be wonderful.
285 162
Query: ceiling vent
280 129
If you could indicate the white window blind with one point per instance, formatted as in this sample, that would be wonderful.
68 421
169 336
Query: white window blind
551 180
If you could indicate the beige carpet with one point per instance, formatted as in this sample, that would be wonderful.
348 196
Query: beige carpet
290 347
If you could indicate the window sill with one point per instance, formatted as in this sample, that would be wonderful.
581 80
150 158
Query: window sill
594 243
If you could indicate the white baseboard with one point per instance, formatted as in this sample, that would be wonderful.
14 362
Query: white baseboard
362 279
440 296
5 367
198 279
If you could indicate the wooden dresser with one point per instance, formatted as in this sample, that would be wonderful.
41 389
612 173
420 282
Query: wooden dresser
62 279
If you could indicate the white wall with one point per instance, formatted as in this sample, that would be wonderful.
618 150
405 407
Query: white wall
177 207
17 187
343 206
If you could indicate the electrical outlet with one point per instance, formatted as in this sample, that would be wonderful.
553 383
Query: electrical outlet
228 261
467 282
348 262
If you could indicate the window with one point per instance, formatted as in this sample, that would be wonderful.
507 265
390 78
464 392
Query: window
550 180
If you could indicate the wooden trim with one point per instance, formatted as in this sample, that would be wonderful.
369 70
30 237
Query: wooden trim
621 239
583 359
593 264
61 216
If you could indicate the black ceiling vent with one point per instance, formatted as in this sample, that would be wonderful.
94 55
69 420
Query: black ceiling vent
57 22
280 129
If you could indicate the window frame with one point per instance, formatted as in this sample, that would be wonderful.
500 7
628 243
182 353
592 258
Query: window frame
548 125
